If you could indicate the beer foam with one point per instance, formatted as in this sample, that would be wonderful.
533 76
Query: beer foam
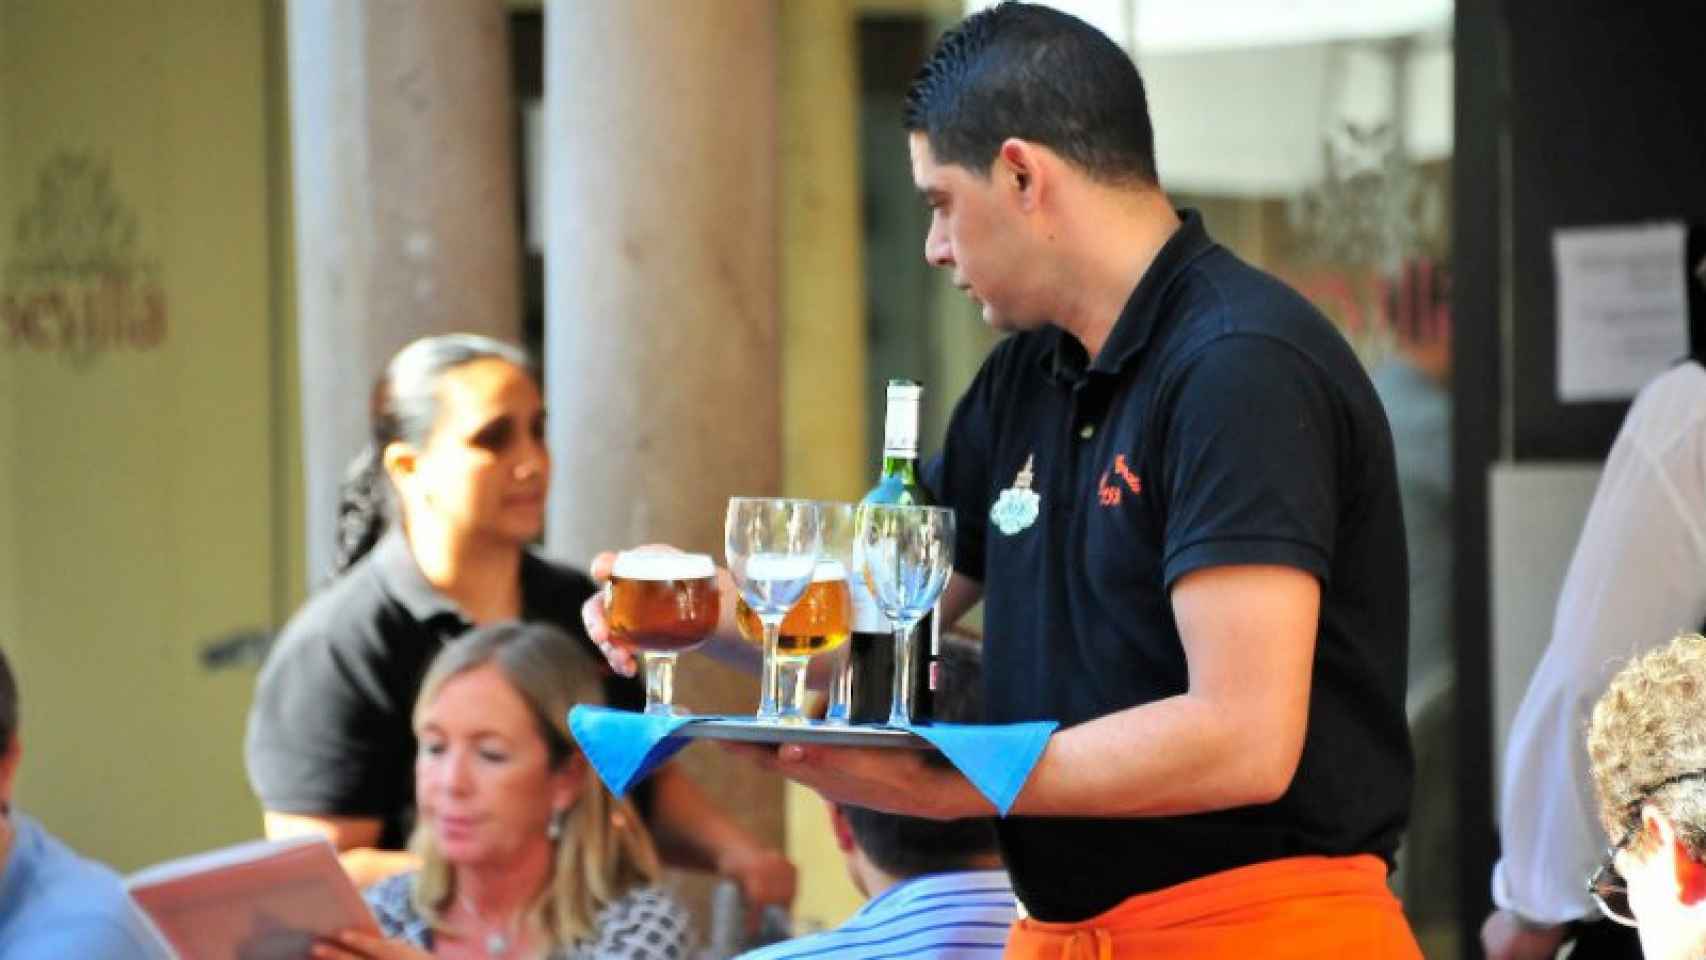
828 569
659 565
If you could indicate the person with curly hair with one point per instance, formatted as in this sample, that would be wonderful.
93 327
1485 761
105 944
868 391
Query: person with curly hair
1647 746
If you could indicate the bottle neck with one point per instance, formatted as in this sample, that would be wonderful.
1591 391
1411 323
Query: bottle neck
902 467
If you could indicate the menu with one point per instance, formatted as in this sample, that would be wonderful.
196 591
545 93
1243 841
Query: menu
264 900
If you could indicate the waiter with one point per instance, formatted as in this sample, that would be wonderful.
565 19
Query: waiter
1177 499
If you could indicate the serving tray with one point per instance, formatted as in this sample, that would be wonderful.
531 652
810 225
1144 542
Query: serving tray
814 731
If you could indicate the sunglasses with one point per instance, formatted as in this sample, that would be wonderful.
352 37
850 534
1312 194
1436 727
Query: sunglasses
1609 890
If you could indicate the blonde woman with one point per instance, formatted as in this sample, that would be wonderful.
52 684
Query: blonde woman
523 852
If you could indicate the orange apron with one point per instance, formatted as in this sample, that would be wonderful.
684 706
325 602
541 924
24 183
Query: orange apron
1299 907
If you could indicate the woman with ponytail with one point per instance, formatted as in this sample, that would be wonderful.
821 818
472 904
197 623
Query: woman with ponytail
434 529
523 852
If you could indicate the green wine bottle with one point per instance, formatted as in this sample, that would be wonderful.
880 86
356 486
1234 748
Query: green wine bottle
872 643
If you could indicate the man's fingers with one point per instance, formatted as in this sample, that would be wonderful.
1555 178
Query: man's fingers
598 631
602 563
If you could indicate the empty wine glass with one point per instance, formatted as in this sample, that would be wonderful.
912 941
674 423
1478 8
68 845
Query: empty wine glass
772 549
906 554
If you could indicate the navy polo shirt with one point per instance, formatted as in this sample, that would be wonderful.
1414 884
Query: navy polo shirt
1225 421
331 730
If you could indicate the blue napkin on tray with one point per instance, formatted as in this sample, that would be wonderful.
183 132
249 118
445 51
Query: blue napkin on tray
624 746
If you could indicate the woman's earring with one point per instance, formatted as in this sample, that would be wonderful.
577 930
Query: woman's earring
554 829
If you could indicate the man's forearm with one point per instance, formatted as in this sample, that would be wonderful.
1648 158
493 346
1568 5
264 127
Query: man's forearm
1175 756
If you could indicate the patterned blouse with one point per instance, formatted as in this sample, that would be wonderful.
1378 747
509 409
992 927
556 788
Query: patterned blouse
646 924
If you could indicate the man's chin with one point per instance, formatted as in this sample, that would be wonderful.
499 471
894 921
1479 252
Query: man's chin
996 320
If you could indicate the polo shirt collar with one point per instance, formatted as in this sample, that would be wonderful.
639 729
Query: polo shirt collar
1068 361
403 580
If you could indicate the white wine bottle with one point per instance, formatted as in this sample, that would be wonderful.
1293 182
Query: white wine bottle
872 653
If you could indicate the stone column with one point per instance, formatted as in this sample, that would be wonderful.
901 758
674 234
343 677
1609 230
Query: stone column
405 203
662 354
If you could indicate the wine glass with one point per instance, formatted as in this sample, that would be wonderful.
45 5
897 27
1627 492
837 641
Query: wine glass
906 554
659 604
819 622
840 523
772 550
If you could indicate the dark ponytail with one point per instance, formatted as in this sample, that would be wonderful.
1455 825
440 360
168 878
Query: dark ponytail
403 407
363 508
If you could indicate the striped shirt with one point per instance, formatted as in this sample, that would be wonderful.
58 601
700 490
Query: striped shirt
943 916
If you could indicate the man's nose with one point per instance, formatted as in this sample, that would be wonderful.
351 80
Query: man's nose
937 251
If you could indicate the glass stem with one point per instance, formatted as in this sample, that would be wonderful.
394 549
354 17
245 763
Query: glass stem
791 688
660 681
767 707
900 705
840 708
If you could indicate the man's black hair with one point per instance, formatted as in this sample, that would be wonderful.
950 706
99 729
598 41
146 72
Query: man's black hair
8 703
912 846
1027 71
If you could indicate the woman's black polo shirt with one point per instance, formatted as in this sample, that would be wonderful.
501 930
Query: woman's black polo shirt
330 731
1224 422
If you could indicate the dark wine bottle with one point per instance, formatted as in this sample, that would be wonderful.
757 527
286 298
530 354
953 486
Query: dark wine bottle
872 653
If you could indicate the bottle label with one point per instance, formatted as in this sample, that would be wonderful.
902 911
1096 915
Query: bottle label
900 427
867 616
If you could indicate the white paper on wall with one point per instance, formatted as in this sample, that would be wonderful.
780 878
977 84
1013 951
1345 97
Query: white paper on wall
1622 307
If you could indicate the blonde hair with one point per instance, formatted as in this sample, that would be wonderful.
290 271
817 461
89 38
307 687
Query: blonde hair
603 850
1647 731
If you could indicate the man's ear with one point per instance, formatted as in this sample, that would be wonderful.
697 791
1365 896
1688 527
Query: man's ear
842 829
1019 164
1690 873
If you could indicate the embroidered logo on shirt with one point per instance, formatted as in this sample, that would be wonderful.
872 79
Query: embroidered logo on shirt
1109 494
1016 509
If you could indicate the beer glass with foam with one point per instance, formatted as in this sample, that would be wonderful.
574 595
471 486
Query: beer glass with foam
659 604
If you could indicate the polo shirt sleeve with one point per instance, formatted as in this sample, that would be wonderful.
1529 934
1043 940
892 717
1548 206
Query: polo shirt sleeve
1249 459
958 476
323 738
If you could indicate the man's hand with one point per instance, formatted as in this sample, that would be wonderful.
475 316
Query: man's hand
598 626
893 781
592 611
1506 936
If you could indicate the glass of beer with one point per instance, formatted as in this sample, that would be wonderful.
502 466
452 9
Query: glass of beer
818 623
772 550
660 603
840 524
905 554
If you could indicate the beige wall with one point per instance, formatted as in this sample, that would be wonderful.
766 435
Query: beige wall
151 501
825 440
139 481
